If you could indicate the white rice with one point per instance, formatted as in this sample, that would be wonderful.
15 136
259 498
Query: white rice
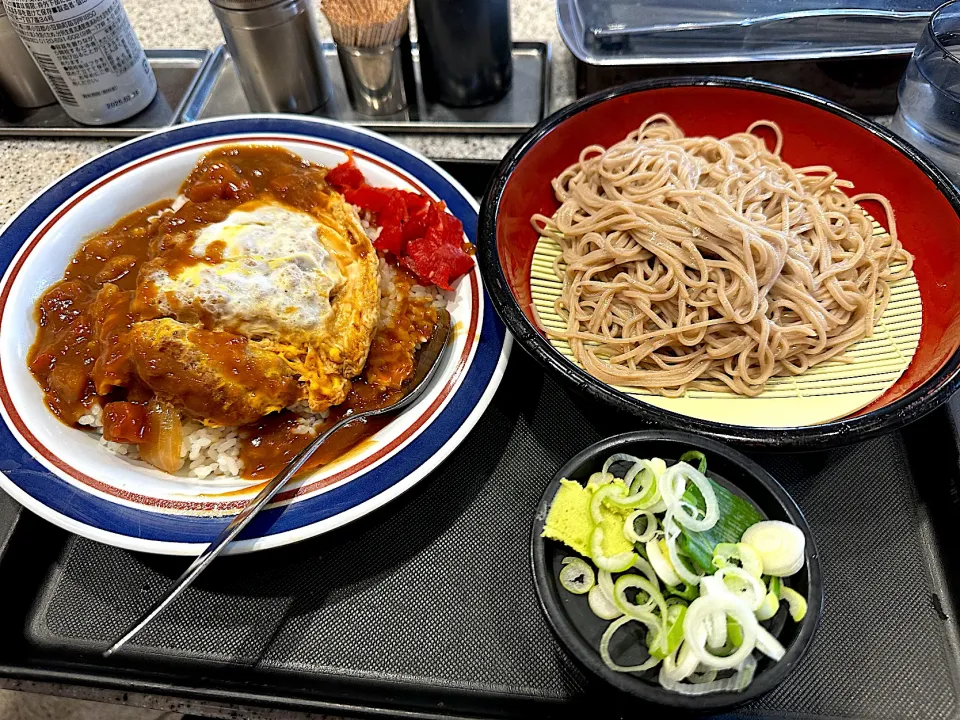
366 220
207 452
211 453
388 294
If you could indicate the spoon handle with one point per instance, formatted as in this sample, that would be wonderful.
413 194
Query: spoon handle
428 361
233 528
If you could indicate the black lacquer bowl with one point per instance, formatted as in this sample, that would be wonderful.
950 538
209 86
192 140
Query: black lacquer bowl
579 630
815 132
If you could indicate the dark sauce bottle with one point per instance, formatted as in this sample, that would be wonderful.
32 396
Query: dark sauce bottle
465 50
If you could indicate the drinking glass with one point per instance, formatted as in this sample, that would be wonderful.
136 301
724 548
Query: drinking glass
928 116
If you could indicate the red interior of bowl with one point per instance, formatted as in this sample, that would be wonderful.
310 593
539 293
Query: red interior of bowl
926 222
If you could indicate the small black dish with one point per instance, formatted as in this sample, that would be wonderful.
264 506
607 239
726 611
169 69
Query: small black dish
579 629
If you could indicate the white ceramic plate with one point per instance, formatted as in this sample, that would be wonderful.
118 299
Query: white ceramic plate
64 475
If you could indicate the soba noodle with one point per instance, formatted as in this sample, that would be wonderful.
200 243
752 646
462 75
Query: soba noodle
696 261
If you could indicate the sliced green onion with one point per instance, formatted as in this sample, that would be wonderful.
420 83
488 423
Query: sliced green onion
780 545
660 563
630 530
702 678
732 642
653 466
605 583
769 645
736 515
599 479
774 585
653 602
672 531
796 602
605 587
576 576
695 455
694 628
656 466
644 490
638 465
738 682
647 569
768 608
674 628
601 606
673 483
603 493
685 591
709 548
715 624
717 632
658 507
678 665
620 562
743 585
734 633
620 457
738 555
647 483
649 620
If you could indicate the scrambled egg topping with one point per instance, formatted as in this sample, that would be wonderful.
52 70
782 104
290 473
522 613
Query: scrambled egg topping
304 287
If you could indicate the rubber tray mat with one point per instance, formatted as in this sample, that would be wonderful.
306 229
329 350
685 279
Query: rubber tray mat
428 606
9 515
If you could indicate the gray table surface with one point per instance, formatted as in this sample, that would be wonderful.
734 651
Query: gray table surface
29 165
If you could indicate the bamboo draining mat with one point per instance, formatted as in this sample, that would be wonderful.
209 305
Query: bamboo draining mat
826 392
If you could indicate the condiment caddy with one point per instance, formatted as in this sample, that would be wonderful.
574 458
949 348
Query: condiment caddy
178 73
199 84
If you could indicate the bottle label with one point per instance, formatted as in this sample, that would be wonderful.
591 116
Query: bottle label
89 54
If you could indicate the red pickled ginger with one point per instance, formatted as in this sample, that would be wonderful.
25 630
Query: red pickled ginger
418 231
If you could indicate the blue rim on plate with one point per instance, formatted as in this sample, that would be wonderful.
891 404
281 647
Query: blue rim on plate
87 513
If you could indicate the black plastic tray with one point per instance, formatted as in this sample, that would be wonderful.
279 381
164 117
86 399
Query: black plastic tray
867 85
427 607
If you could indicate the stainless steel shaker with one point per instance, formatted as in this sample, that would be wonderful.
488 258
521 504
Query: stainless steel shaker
277 51
380 80
20 79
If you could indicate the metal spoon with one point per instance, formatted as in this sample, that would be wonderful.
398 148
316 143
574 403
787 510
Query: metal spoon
427 361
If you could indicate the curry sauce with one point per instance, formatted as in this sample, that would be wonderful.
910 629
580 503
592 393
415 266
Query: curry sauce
85 351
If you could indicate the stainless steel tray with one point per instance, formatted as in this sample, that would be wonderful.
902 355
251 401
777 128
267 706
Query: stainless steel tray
177 74
527 102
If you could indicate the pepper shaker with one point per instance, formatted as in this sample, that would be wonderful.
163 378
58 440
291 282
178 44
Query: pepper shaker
276 49
465 50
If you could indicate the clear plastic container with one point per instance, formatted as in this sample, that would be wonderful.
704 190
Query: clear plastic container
645 32
928 115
